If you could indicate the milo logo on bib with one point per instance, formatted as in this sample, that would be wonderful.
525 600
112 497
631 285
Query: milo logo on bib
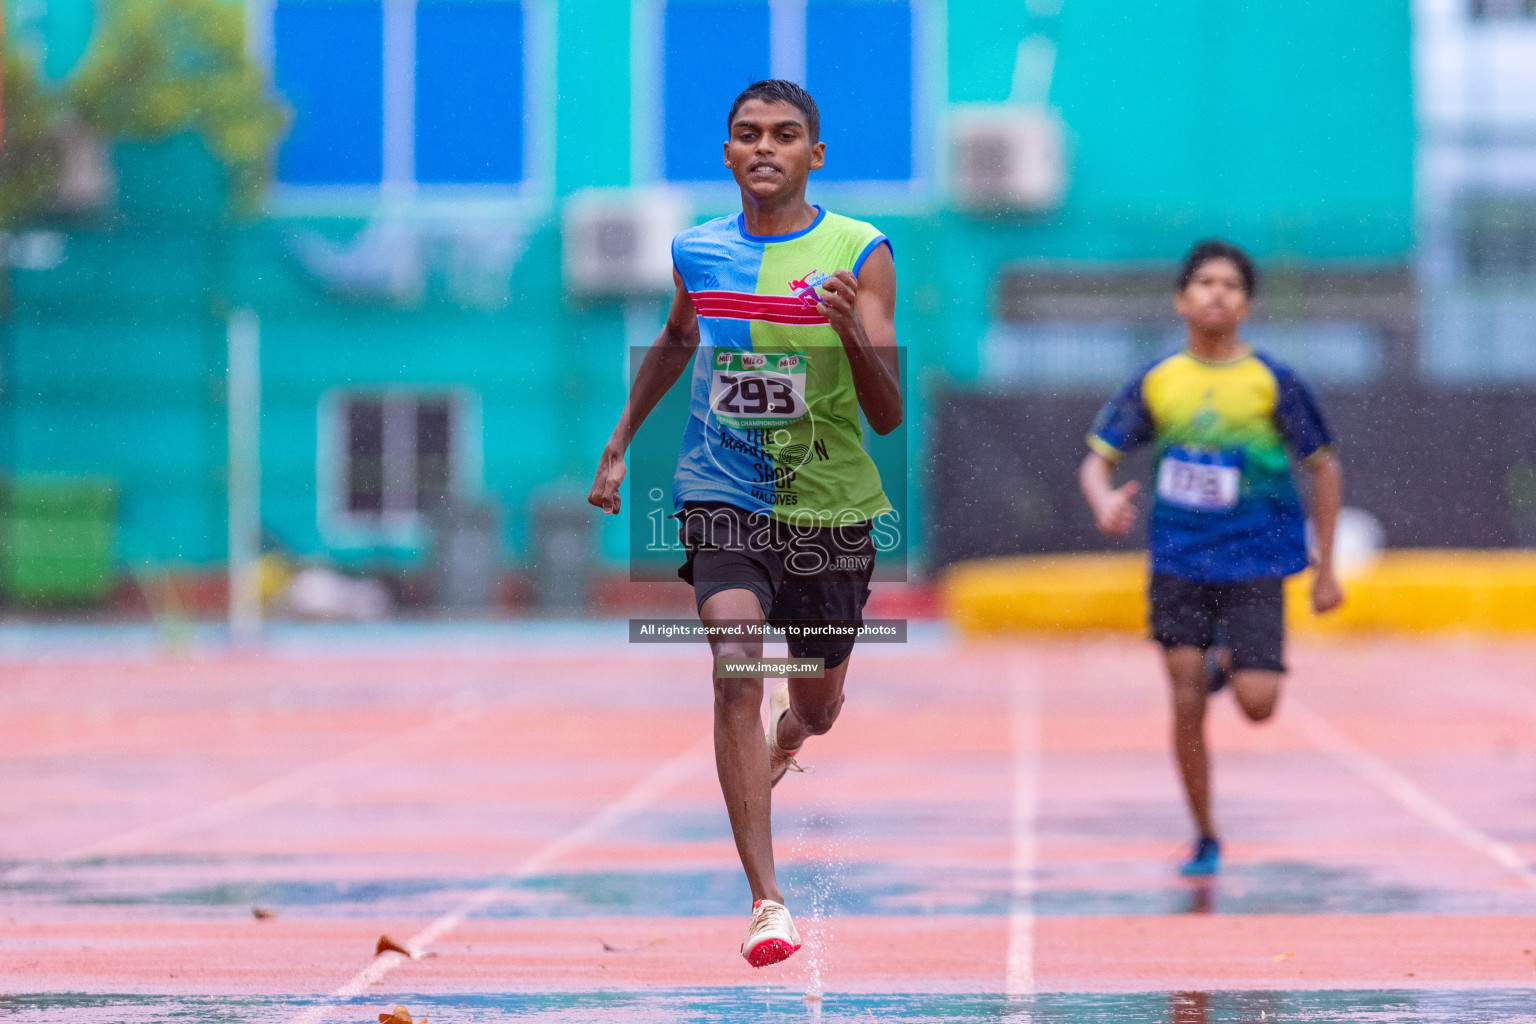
746 392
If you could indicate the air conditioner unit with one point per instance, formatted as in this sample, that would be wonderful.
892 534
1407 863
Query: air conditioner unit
618 242
1008 158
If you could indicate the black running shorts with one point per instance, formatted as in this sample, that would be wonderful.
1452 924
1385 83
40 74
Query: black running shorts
1185 614
800 574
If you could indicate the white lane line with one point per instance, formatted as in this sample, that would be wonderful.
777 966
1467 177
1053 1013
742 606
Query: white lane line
1024 695
275 791
647 792
1323 735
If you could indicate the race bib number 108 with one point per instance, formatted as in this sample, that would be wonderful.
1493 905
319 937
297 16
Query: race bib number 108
1203 481
755 389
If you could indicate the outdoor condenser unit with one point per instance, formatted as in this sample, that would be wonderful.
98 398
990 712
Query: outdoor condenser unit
1008 158
618 242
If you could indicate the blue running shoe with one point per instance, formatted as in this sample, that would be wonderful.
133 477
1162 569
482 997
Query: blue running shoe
1206 859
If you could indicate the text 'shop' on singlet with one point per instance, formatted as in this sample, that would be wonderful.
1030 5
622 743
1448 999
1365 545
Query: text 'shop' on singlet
773 419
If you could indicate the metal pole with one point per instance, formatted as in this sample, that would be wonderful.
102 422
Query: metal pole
244 337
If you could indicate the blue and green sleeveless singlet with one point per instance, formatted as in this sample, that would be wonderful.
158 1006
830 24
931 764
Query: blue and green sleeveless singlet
773 424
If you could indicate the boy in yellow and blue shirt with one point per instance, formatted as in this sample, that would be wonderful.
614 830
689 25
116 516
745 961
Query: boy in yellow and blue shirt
1226 525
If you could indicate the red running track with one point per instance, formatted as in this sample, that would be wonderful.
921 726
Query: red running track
542 817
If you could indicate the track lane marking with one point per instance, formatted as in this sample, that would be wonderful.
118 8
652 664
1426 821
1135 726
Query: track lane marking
1024 700
637 799
1326 737
274 791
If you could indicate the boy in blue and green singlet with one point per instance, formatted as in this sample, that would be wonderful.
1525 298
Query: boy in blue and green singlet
1226 525
785 313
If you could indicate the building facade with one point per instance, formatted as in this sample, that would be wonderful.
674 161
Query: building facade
418 336
1475 76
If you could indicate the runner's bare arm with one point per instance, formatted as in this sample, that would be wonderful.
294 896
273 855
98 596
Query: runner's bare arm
1327 496
862 311
1113 509
665 362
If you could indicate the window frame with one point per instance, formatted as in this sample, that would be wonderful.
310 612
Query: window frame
342 528
397 188
1478 13
647 115
1488 227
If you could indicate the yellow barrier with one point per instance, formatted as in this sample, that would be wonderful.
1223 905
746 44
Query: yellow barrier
1410 591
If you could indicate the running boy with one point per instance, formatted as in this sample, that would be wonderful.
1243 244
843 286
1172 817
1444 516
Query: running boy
785 311
1226 525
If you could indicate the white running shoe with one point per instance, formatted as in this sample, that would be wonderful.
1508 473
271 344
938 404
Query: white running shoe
771 937
779 759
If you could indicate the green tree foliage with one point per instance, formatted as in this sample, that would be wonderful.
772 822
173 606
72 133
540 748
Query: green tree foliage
33 153
157 68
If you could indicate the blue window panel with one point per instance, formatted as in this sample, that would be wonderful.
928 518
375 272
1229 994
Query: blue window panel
712 50
328 61
858 61
469 93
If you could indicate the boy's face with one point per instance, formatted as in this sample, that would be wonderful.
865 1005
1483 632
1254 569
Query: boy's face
770 152
1215 299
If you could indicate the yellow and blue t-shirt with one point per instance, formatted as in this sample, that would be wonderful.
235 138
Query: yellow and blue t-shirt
1224 506
773 423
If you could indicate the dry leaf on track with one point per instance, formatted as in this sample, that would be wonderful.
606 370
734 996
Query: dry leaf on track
401 1016
389 945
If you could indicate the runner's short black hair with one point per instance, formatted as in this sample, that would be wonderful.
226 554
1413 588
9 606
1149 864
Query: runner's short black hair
777 90
1215 249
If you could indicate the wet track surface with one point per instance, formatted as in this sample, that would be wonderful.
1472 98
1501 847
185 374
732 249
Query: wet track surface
990 833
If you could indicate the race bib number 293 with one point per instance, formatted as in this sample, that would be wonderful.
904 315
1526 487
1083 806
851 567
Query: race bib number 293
756 389
1199 480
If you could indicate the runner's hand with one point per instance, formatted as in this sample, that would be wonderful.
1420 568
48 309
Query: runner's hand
1326 592
1116 514
838 295
610 474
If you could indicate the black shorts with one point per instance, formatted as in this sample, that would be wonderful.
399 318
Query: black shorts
799 574
1252 613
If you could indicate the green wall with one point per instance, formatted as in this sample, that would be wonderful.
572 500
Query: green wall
1287 128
